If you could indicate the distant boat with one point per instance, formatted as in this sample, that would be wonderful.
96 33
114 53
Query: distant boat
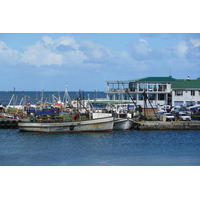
73 123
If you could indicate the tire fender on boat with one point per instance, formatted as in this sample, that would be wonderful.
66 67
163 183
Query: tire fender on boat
8 123
71 127
3 123
14 123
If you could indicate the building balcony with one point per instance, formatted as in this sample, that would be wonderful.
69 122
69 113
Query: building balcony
137 91
116 90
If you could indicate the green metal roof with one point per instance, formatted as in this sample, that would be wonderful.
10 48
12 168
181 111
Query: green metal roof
156 79
193 84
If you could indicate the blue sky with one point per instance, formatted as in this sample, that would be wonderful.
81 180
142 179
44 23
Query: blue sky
45 45
32 61
35 61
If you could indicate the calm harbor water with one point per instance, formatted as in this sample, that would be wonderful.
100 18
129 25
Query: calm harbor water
117 148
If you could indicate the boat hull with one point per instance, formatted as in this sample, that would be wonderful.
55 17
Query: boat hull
94 125
122 124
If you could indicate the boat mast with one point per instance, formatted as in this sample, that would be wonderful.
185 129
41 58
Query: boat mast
42 96
66 98
13 95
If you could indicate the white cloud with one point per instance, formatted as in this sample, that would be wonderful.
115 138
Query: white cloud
47 41
143 41
140 50
95 53
66 41
67 53
62 51
181 49
142 47
195 42
65 58
8 55
187 51
195 47
39 54
73 57
3 46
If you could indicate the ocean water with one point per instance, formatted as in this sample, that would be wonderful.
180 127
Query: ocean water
117 148
35 96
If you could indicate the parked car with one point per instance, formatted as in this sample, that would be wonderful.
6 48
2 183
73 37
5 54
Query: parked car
164 108
169 117
175 109
184 117
181 109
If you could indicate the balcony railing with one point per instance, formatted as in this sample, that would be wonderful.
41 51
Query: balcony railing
138 91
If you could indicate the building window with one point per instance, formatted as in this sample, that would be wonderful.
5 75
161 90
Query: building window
152 87
111 97
162 87
159 87
151 96
140 97
161 97
178 93
142 87
192 92
134 96
133 87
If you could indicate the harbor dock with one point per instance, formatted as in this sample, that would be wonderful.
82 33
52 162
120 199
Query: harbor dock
160 125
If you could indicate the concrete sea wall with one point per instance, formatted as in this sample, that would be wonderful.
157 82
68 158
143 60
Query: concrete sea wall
160 125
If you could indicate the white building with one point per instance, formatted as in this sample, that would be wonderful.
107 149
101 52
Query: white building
160 90
186 92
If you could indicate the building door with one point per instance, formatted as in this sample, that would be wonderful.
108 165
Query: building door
169 99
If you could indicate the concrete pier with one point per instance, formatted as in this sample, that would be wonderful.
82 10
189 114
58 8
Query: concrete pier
160 125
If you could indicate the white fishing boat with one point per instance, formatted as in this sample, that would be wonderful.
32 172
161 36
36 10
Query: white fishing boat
123 121
74 124
122 124
122 112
